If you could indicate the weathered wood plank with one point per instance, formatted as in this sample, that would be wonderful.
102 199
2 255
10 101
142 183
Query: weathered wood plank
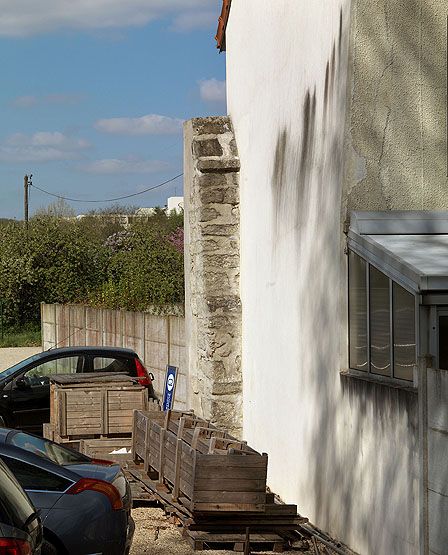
243 497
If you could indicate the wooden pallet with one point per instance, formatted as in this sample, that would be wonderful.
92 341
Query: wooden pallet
76 439
104 449
279 519
141 493
200 541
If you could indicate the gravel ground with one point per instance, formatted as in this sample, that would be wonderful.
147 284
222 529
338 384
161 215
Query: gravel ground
155 535
13 355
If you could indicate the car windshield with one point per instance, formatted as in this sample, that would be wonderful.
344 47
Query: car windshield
19 366
47 449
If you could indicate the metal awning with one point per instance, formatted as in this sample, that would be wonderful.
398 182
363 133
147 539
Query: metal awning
410 247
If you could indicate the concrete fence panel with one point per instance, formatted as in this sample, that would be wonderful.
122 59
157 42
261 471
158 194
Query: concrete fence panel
77 315
112 328
156 347
48 319
134 331
63 329
94 327
158 340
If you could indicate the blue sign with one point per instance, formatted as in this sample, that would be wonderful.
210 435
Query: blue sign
170 387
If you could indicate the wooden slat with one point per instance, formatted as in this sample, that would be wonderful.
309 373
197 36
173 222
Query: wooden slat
226 507
246 461
207 472
218 497
232 484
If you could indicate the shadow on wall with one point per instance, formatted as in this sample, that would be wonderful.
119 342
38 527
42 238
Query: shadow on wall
363 437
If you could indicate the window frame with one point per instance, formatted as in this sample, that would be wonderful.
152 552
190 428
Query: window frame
368 374
34 490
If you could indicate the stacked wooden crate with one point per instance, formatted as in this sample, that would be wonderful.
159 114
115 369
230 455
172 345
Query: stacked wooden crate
215 483
207 468
93 406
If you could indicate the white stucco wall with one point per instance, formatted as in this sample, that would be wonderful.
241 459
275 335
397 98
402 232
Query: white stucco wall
343 450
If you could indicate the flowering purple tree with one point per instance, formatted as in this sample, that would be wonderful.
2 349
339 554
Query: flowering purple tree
176 238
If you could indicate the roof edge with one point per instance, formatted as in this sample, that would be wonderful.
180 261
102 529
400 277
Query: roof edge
400 222
222 25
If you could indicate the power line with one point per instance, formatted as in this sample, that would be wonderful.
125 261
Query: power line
108 199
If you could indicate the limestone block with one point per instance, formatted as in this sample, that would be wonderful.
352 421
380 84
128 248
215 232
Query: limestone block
211 125
218 165
220 230
226 411
227 388
207 147
226 214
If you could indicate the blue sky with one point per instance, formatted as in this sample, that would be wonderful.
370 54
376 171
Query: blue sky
94 93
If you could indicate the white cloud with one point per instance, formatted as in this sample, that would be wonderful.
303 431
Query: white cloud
151 124
124 166
43 146
29 17
189 21
212 90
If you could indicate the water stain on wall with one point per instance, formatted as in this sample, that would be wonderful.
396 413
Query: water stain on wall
306 156
279 177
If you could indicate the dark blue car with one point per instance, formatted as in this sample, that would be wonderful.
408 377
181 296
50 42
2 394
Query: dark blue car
84 504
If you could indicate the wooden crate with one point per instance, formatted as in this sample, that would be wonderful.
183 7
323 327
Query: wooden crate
104 448
207 468
141 429
49 433
82 406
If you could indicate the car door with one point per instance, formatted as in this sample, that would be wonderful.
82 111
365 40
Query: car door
30 391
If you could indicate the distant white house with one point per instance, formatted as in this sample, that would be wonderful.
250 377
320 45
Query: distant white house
175 203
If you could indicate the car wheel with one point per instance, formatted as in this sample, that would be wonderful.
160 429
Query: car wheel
48 548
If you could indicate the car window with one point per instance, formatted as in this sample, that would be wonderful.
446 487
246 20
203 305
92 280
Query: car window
15 507
19 366
32 477
118 364
46 449
40 374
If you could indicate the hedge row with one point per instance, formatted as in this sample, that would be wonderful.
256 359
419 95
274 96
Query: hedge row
94 260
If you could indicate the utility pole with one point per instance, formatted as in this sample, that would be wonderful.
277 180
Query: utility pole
26 201
26 184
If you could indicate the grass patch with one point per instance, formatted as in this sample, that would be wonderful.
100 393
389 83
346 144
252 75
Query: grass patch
26 336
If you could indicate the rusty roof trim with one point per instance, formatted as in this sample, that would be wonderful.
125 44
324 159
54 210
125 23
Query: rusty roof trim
222 25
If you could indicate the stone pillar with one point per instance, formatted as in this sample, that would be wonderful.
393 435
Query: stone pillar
212 270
